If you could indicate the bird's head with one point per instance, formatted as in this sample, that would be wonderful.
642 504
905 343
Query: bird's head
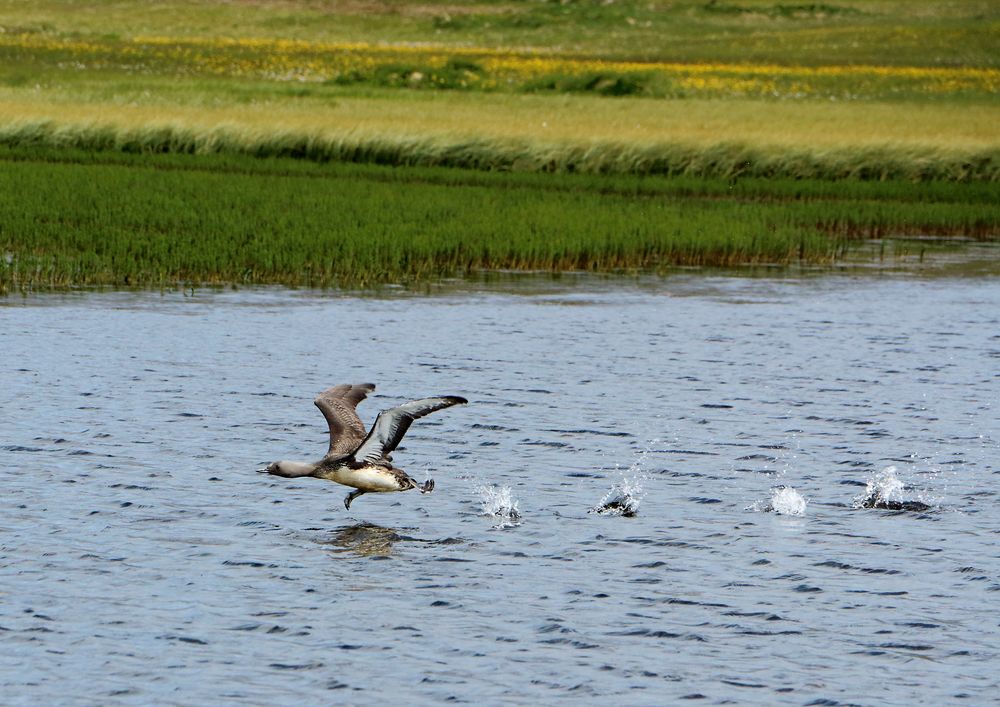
288 469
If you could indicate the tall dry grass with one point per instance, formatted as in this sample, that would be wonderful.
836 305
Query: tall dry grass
531 133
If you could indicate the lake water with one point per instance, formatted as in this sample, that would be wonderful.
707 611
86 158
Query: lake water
142 559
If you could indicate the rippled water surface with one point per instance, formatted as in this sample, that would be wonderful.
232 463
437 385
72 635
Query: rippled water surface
143 560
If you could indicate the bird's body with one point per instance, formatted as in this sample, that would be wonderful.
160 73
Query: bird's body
359 460
371 478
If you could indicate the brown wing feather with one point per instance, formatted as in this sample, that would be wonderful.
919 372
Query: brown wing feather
338 407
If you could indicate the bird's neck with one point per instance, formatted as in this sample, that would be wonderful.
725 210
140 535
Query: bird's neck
292 469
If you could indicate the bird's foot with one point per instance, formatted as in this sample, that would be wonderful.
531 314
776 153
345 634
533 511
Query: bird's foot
427 486
350 497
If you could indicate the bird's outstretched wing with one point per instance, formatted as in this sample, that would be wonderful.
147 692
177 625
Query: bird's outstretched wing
392 424
337 405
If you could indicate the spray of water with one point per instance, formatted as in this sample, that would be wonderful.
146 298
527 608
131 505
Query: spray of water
883 486
789 502
498 502
886 490
627 492
784 501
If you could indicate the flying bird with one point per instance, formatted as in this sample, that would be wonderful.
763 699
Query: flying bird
359 459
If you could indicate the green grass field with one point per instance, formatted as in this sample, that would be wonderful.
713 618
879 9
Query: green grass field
125 220
840 32
150 143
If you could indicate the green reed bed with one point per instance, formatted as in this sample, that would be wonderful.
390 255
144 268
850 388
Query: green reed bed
745 188
179 219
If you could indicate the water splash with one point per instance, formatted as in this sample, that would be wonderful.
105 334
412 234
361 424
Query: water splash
886 490
499 502
626 494
622 500
883 485
789 502
784 501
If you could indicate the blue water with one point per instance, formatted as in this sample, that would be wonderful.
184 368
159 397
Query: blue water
142 559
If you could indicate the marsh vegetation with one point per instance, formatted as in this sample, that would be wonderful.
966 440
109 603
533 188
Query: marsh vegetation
356 143
135 219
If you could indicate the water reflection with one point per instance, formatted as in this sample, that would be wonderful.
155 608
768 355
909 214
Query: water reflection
365 539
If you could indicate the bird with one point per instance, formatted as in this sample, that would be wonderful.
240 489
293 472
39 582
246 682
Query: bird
359 459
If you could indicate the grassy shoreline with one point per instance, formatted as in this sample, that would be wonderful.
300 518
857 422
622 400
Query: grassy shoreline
353 143
76 219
